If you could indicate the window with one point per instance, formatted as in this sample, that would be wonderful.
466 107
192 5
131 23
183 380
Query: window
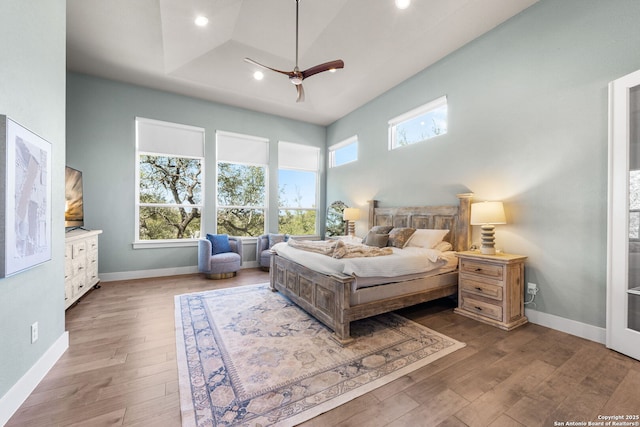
634 205
169 181
241 184
420 124
298 167
343 152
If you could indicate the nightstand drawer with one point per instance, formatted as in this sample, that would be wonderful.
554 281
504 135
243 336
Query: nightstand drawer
482 308
479 288
490 270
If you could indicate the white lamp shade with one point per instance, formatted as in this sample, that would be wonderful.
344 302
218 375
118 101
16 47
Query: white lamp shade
487 213
351 214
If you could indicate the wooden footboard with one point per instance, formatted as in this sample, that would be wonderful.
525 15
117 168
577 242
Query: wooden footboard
324 297
328 298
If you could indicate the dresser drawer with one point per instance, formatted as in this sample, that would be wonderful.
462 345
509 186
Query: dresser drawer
92 245
482 308
79 249
494 271
475 287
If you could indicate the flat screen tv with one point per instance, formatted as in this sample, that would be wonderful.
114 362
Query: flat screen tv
73 209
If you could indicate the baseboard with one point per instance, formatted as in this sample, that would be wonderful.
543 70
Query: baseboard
579 329
144 274
160 272
10 402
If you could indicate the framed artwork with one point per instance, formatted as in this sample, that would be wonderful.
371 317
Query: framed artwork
25 190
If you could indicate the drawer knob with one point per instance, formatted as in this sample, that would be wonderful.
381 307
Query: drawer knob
478 308
478 288
478 269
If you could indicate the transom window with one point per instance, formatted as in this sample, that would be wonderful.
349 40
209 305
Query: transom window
344 152
419 124
242 162
169 181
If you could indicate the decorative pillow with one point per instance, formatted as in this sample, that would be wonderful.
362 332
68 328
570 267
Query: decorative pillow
276 238
399 236
427 238
375 239
443 246
219 243
381 229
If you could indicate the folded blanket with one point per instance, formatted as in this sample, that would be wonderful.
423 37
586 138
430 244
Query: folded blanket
338 248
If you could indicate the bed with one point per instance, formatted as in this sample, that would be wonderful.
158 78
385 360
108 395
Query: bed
336 299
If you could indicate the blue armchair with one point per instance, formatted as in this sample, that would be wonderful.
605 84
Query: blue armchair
263 248
223 265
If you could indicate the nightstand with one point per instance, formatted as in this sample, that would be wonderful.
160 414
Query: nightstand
491 288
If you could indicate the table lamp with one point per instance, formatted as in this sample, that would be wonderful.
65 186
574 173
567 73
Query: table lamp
350 215
487 214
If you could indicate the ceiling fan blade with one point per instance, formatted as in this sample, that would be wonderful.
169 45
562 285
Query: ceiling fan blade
300 90
331 65
251 61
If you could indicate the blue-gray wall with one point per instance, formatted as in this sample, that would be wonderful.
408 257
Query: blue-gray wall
527 125
101 143
32 92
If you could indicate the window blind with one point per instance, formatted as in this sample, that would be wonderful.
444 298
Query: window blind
158 137
298 156
246 149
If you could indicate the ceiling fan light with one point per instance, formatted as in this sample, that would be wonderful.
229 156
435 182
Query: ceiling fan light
403 4
201 21
295 80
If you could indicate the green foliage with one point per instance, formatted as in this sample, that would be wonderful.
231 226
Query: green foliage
297 222
169 181
335 223
241 196
157 223
241 222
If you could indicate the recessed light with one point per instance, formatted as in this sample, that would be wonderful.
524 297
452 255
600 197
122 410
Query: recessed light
201 21
258 75
403 4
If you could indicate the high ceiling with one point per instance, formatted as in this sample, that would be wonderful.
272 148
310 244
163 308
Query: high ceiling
155 43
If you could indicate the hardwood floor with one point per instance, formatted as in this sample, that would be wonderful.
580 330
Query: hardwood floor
120 369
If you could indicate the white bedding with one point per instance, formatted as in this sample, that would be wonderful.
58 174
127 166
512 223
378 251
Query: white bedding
410 260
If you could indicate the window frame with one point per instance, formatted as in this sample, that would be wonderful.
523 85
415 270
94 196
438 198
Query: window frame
315 171
332 150
412 114
265 165
166 243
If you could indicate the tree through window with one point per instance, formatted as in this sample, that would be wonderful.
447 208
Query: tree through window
241 184
170 169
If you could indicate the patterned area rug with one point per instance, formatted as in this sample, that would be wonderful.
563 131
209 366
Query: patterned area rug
250 357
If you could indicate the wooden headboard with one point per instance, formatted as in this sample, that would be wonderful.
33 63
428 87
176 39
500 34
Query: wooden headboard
447 217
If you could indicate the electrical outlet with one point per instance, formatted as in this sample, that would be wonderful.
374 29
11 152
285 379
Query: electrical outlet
532 288
34 332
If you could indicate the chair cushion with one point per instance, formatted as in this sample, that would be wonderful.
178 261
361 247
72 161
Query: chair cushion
227 262
219 243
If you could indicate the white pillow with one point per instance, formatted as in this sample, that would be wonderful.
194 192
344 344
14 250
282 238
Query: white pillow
426 238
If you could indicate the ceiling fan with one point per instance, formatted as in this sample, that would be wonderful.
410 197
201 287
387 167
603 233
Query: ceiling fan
296 76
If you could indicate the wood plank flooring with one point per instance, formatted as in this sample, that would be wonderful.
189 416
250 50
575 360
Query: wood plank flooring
120 370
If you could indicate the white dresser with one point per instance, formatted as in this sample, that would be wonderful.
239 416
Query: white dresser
80 264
